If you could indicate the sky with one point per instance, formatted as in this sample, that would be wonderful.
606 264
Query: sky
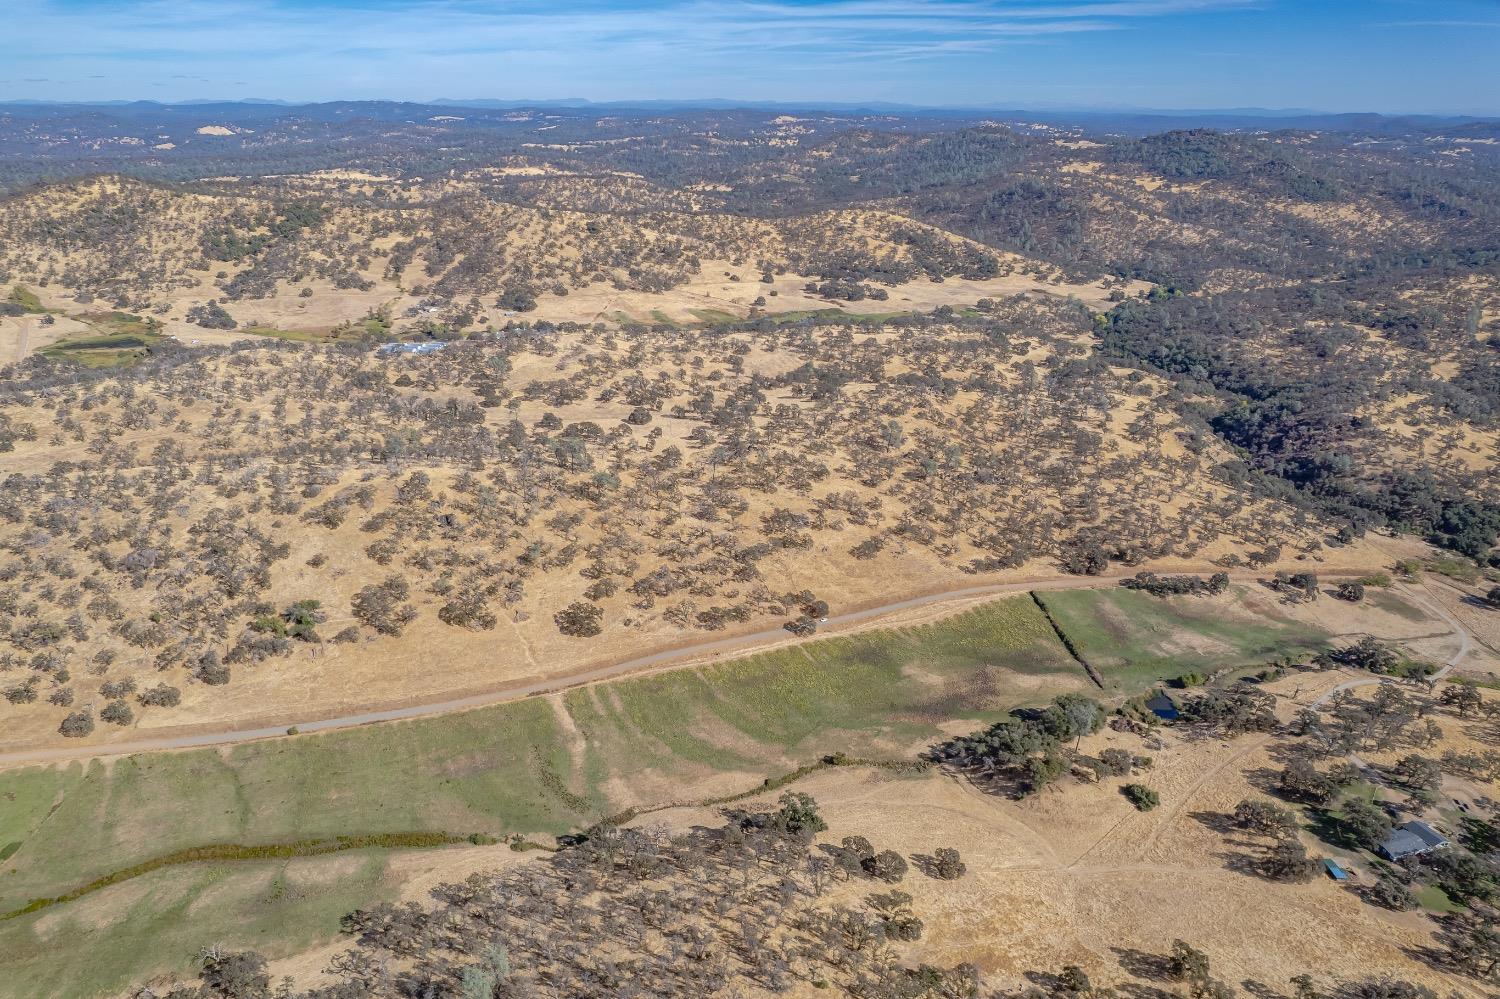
1389 56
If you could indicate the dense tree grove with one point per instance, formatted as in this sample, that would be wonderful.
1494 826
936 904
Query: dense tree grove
1028 750
1308 425
1162 586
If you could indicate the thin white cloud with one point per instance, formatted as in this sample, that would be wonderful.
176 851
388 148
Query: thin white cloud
434 47
1437 24
234 27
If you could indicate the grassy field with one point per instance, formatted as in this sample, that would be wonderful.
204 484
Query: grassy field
535 766
163 921
470 773
714 317
1131 636
25 298
118 339
1434 899
877 692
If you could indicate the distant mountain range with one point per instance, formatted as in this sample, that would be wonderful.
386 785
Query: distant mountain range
1127 119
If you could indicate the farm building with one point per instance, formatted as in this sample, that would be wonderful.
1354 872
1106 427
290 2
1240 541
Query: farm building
388 349
1335 870
1412 840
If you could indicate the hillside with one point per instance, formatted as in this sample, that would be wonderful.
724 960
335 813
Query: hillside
531 503
701 374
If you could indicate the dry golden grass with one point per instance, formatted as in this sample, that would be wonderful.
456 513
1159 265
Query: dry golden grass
1137 480
583 264
1074 876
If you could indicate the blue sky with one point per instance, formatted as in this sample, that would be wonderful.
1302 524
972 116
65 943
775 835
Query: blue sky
1341 55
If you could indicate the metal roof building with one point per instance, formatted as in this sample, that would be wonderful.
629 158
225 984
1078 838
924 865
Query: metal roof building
1411 840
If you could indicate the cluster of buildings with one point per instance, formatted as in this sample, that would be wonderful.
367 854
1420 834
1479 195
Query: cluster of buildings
391 349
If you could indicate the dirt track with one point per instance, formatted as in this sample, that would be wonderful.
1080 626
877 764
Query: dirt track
1465 645
670 658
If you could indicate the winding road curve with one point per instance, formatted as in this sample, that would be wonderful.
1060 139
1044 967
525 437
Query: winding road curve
673 658
1465 646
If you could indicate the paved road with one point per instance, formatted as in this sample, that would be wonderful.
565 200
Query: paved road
739 644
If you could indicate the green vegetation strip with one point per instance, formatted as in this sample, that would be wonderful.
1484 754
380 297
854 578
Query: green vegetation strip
1062 636
108 342
118 338
902 766
222 852
295 336
906 767
231 852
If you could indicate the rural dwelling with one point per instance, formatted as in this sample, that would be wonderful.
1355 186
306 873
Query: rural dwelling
388 349
1412 840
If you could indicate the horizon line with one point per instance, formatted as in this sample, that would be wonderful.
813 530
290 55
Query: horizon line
727 104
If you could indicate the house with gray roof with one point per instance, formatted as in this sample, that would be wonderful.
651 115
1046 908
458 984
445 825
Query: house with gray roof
1411 840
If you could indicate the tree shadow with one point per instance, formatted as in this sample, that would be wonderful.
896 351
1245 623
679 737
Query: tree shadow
1219 822
926 863
1432 957
1366 893
1237 862
1328 829
832 850
1260 990
1267 782
1479 836
1139 964
1286 751
1046 981
1135 990
1287 593
999 784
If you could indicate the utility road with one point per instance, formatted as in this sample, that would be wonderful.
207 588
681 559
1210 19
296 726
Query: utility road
674 657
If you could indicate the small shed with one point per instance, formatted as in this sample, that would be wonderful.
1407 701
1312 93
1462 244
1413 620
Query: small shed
1335 870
